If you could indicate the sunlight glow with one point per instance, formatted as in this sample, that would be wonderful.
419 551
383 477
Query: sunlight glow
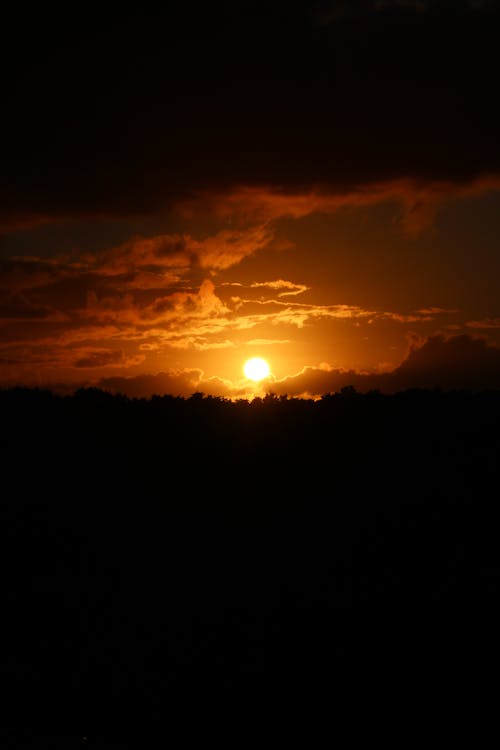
256 369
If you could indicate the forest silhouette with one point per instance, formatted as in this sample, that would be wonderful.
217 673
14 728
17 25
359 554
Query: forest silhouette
172 551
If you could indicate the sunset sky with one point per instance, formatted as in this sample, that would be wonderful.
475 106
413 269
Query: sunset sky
314 183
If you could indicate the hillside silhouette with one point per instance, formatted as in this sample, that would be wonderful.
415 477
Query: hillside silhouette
173 552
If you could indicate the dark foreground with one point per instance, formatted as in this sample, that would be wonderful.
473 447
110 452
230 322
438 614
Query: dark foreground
197 558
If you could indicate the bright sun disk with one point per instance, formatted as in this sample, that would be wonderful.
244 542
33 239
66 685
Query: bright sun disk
256 369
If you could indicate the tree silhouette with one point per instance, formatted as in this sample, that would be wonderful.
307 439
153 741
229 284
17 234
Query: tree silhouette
166 548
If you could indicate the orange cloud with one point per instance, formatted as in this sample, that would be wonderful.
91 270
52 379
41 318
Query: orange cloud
484 324
164 309
292 289
91 358
419 199
149 258
300 314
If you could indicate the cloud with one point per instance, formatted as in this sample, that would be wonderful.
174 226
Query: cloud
173 310
32 362
436 311
29 272
360 106
103 358
166 257
486 323
16 307
458 362
176 383
229 247
300 314
291 287
420 200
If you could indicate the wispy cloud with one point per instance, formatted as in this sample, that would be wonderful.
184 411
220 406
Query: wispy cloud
97 358
291 288
420 200
484 324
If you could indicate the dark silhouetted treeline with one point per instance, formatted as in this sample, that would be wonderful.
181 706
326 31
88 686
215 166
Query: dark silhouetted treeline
165 554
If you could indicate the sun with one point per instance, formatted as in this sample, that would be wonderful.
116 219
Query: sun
256 369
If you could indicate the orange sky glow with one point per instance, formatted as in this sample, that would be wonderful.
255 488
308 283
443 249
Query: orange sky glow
312 283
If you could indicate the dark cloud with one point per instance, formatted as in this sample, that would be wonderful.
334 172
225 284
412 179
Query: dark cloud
16 307
458 362
176 383
29 273
100 358
121 114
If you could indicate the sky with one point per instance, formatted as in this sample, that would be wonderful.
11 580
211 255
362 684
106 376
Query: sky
315 183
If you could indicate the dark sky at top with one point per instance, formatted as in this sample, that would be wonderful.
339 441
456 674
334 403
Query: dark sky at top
115 110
